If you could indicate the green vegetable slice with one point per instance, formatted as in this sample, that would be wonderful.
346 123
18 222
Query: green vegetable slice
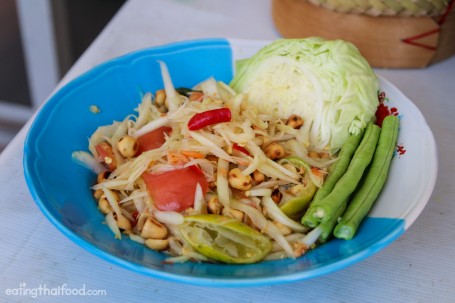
224 239
296 206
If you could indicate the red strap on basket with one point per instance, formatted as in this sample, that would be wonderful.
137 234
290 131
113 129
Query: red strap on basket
411 40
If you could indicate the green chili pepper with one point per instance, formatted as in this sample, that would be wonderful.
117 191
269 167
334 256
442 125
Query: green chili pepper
375 179
326 207
337 171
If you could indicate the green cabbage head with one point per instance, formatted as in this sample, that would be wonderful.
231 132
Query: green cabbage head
327 82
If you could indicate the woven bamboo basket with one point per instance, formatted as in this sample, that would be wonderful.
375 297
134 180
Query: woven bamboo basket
389 33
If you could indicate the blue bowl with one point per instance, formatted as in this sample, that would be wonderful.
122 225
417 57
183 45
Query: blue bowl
61 187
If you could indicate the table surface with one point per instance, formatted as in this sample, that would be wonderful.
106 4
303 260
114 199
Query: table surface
417 267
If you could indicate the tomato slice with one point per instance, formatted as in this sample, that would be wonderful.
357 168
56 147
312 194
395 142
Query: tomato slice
174 190
106 155
153 139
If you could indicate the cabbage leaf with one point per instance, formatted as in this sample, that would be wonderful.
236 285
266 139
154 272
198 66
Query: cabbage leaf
327 82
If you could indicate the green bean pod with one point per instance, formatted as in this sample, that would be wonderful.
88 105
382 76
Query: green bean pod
326 207
327 227
308 218
340 166
375 179
337 171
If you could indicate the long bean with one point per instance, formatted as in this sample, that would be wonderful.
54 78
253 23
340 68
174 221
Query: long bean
375 179
340 166
327 227
308 218
326 207
337 171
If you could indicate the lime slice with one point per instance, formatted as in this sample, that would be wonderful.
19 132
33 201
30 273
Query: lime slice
225 239
295 207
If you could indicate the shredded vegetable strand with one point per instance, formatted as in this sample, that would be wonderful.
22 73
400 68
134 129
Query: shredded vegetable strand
89 161
222 182
265 225
112 224
276 214
199 203
219 152
171 94
168 217
253 166
152 125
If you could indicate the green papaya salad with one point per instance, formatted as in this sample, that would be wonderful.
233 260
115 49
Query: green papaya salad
266 167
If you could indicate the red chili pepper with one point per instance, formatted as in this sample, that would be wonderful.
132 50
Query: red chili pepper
214 116
241 149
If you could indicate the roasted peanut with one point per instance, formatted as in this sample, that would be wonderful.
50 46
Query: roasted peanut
160 97
294 121
324 155
275 151
127 146
123 223
153 229
313 154
276 196
238 180
103 202
97 194
102 176
214 205
258 177
104 205
233 213
157 244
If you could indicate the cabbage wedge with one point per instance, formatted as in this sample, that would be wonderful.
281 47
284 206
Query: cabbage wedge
327 82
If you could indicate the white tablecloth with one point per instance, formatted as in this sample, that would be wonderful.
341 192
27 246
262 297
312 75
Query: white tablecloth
418 267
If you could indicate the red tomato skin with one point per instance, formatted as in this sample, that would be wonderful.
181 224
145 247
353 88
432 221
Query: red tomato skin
174 190
153 139
104 150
